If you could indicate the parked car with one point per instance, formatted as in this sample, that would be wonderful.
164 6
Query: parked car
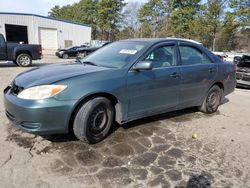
84 51
243 72
236 59
69 52
121 82
20 54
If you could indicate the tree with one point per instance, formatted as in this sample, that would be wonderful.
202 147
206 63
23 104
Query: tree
130 23
152 14
214 16
85 12
227 35
101 15
241 11
109 16
182 15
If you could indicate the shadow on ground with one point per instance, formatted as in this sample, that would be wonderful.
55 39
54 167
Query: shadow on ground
10 64
176 116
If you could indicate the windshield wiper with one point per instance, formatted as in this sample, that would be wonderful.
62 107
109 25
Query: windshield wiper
89 63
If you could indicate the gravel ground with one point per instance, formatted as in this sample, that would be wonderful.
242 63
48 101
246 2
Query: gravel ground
153 152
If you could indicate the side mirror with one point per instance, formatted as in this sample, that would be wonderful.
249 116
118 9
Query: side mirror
143 65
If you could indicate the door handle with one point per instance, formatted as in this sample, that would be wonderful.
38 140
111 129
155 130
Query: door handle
175 75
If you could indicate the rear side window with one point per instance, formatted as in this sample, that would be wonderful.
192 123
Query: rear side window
191 56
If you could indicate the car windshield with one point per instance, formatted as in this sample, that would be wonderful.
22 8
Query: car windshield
117 54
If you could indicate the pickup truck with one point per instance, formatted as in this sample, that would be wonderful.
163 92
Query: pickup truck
20 54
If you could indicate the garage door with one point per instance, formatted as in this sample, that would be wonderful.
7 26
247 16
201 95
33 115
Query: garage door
48 38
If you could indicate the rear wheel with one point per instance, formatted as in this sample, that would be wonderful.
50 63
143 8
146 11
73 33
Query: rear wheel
94 120
24 60
212 100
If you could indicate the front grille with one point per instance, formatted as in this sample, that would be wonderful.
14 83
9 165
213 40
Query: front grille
239 76
246 78
242 76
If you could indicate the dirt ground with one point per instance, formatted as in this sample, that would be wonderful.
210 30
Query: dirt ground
154 152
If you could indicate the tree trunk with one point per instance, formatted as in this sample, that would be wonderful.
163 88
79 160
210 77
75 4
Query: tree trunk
214 40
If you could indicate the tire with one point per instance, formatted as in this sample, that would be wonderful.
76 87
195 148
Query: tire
24 60
65 56
94 120
212 100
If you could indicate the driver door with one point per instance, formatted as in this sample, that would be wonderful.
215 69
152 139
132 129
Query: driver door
154 91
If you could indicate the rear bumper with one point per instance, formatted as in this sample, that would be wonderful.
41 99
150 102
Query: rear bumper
229 86
48 116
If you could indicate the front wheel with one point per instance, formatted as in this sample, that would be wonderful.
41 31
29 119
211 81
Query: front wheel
65 56
24 60
212 100
94 120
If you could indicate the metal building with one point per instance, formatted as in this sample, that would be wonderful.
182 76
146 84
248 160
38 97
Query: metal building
49 32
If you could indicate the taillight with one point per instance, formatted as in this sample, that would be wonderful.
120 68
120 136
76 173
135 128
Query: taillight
40 50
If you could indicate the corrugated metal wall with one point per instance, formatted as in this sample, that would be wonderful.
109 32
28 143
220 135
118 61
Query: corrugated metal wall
79 34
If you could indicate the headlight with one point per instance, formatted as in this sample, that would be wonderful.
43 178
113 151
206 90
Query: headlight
41 92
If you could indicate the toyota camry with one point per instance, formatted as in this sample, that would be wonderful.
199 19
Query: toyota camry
121 82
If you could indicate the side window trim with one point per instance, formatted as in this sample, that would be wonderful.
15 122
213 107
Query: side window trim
165 44
151 48
183 44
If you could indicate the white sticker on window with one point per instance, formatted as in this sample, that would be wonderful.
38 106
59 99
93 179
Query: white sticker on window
127 51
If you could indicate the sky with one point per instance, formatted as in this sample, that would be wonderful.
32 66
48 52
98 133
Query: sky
40 7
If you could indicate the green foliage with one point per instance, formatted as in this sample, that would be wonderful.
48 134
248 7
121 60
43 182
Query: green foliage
151 16
102 15
146 30
241 11
215 23
181 18
109 15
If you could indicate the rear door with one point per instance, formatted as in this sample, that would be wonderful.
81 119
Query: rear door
3 48
155 90
197 74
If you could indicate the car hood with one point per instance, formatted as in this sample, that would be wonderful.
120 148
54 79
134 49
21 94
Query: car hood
53 73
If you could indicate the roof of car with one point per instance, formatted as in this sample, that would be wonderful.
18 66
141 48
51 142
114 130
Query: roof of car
155 40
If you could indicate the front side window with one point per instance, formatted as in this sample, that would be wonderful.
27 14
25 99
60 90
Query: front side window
191 55
163 57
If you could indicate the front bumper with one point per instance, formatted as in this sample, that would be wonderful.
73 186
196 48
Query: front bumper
242 83
48 116
59 54
243 79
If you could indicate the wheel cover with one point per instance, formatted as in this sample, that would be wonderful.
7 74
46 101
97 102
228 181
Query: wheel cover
98 120
213 99
24 60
